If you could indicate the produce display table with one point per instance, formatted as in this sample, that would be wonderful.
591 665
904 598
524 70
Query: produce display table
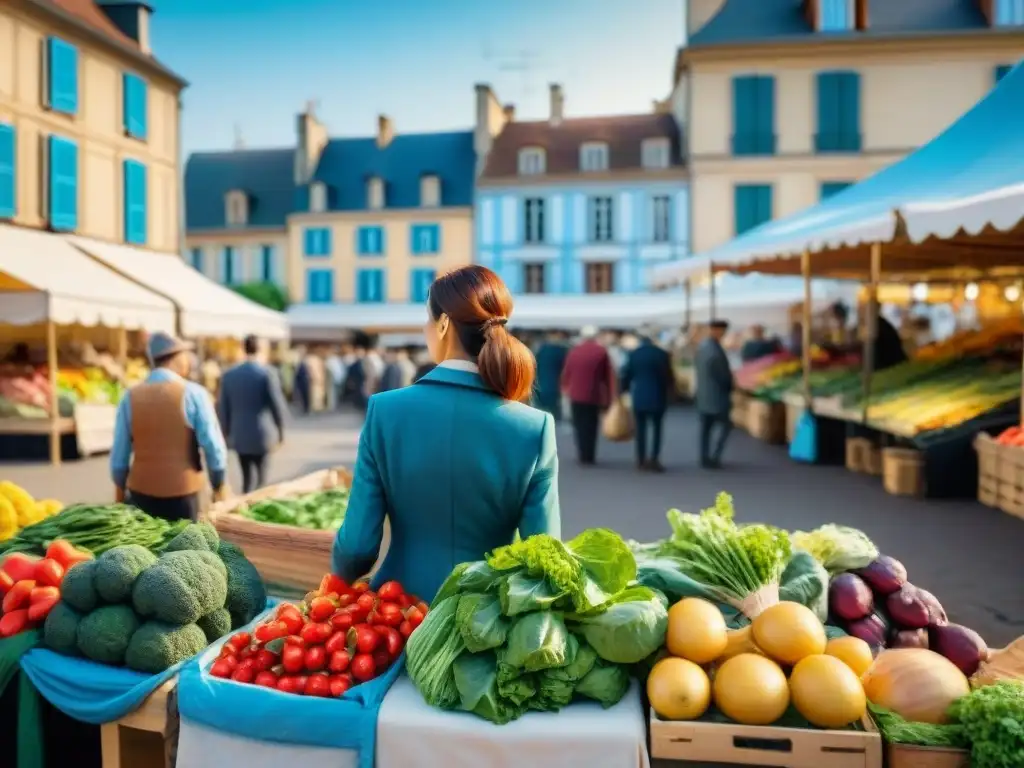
409 732
146 737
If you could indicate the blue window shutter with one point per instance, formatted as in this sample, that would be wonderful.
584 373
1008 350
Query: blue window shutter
436 239
766 114
377 240
830 188
227 265
311 286
197 259
361 292
328 288
8 175
136 109
753 206
62 71
320 286
849 111
267 263
828 111
741 212
414 238
63 195
361 240
135 223
764 207
742 115
415 280
325 235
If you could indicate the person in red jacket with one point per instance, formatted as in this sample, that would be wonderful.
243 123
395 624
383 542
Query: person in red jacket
588 380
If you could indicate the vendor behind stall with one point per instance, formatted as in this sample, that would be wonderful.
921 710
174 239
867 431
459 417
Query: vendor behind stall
161 425
888 347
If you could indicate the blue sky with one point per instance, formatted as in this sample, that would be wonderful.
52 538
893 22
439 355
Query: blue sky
254 63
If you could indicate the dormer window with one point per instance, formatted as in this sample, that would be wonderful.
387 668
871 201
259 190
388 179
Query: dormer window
236 208
532 161
375 193
654 153
594 156
317 197
1008 13
430 191
836 15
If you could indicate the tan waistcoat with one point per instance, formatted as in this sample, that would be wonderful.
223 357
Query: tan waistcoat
166 461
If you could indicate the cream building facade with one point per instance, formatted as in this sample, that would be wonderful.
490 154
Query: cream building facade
788 101
89 124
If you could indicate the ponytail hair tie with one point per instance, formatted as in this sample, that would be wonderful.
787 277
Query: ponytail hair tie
493 322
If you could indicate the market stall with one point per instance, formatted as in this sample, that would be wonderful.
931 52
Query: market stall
52 294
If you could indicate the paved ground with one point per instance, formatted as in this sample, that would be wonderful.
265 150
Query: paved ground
968 555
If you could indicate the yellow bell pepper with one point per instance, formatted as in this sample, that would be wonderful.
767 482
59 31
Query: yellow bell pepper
48 507
22 501
8 519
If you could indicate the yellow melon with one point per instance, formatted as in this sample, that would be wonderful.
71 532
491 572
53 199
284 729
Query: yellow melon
788 632
678 689
696 630
827 692
853 652
751 689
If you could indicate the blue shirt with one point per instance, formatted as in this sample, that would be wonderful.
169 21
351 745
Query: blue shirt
200 417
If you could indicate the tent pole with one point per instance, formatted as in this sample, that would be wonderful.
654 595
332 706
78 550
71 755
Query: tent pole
805 328
688 293
51 364
712 293
871 325
122 346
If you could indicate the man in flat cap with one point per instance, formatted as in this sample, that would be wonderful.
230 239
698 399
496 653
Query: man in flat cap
161 426
714 394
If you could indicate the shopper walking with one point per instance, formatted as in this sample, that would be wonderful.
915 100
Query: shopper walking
250 397
160 428
714 395
588 381
648 377
551 357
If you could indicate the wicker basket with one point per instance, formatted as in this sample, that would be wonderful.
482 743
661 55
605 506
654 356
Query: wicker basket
903 471
857 449
291 560
766 420
740 405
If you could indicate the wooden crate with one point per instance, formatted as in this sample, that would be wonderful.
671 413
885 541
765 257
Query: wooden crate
146 737
765 745
903 471
873 460
1009 469
906 756
856 453
740 406
989 457
766 421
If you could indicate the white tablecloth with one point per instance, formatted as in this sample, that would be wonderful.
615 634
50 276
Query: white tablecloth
410 733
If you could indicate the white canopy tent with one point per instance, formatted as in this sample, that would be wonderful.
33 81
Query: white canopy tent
1001 209
206 309
52 281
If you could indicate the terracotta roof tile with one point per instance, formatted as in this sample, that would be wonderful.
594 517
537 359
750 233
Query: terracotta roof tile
91 14
624 135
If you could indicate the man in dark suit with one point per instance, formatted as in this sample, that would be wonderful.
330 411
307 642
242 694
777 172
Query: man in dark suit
551 359
648 377
249 394
588 381
714 394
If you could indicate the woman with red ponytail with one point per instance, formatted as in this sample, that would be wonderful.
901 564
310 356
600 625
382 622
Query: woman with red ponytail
456 462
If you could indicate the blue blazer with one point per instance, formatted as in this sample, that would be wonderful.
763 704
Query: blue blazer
648 377
250 399
456 469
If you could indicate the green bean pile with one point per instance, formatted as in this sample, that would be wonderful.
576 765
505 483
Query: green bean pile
95 528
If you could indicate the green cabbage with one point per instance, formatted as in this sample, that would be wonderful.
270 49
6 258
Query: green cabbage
630 629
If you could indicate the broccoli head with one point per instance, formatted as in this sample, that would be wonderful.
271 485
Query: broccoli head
60 631
103 635
78 589
116 571
181 587
196 536
215 624
157 646
247 596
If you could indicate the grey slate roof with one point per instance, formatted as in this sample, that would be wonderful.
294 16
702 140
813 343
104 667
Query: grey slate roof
265 175
765 21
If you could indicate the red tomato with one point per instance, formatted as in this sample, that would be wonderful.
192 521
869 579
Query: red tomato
41 608
414 616
342 621
20 567
264 659
365 639
321 609
6 582
362 667
221 669
337 642
346 598
64 552
18 595
390 590
295 640
339 661
49 573
423 607
357 612
318 685
332 583
291 684
13 622
284 608
300 682
381 629
239 640
339 685
272 630
381 660
247 653
249 664
316 634
373 618
391 614
393 642
243 674
316 658
266 679
360 587
366 601
293 621
405 629
405 601
231 661
293 659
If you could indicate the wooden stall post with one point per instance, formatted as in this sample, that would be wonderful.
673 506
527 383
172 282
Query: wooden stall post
51 364
688 294
712 293
805 328
871 326
121 347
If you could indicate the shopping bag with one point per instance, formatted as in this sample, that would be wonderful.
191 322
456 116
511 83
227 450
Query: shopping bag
618 425
804 446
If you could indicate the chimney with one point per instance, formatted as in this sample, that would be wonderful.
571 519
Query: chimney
385 131
510 113
491 118
557 104
132 18
311 138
